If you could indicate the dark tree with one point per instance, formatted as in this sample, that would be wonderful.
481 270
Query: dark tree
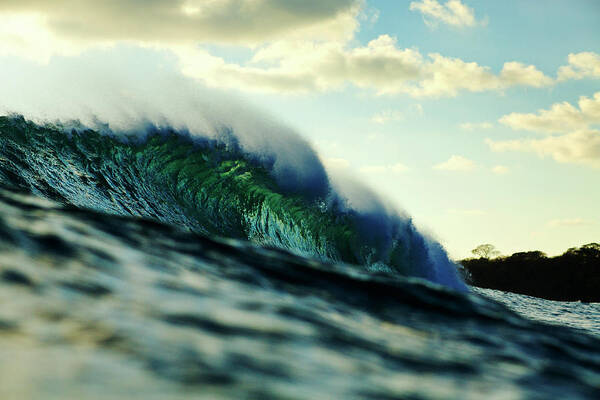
485 251
574 275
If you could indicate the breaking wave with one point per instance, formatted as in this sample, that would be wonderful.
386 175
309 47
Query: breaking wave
273 192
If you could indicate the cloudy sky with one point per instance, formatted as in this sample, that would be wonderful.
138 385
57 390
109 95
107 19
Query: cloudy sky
480 118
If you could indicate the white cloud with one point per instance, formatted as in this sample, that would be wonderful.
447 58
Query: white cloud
26 35
581 65
516 73
306 66
500 170
178 21
580 147
567 222
302 66
579 142
297 47
394 169
37 30
456 163
476 126
445 76
560 118
454 12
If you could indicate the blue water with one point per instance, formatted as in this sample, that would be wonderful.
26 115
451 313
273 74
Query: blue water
194 275
575 314
275 195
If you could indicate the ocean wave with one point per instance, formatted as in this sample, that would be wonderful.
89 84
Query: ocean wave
275 193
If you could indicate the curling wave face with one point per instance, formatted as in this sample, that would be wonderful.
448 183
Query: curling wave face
271 195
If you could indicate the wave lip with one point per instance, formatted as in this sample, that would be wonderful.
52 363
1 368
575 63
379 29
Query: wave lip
276 195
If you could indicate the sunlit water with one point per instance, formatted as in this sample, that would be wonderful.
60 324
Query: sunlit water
585 316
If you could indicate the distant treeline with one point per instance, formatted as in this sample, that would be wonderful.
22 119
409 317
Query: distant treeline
572 276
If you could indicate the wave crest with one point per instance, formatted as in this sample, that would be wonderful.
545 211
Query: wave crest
271 191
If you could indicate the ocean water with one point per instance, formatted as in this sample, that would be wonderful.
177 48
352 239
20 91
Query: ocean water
170 269
582 316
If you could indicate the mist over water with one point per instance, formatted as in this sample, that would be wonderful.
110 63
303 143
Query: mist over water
91 92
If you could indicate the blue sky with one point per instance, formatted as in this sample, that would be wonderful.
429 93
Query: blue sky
457 139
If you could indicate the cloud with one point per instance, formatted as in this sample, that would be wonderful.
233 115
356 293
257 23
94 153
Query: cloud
567 222
454 12
445 76
305 66
297 46
560 118
179 21
394 169
581 147
456 163
516 73
500 170
26 35
308 66
578 143
581 65
476 126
